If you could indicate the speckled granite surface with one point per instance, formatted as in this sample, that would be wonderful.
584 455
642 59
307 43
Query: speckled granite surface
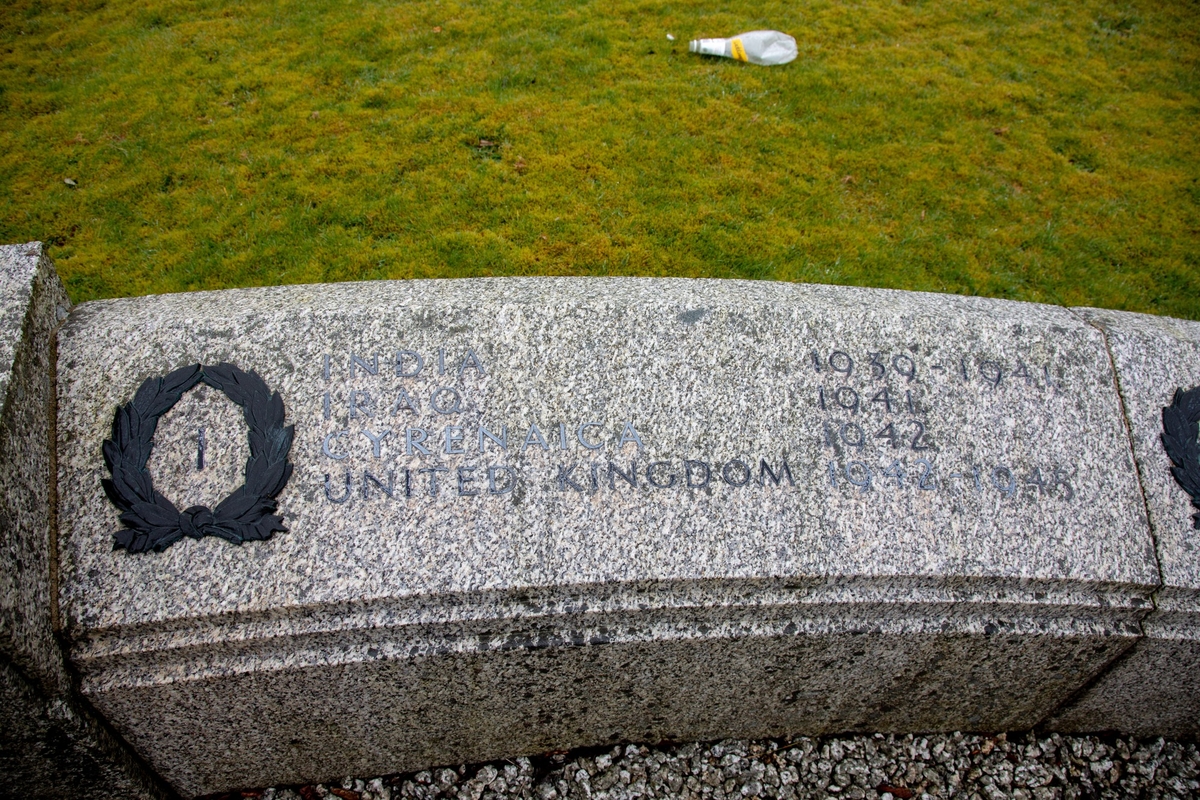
1155 689
30 302
958 540
50 746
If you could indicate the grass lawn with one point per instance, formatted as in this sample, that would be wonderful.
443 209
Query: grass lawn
1045 151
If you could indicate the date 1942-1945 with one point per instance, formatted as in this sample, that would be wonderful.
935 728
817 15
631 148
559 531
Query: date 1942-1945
920 474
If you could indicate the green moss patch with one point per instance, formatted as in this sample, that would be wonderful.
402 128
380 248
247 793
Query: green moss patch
1037 151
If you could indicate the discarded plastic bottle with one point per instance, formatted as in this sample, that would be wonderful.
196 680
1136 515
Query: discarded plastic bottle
765 48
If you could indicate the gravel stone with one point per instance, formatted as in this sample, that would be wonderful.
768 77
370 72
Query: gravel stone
888 767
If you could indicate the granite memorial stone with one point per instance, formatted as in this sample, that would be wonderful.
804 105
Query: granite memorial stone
531 514
1155 689
51 746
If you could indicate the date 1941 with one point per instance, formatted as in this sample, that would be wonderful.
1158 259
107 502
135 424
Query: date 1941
920 474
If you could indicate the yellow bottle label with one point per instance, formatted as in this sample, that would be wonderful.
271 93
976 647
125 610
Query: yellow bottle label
739 52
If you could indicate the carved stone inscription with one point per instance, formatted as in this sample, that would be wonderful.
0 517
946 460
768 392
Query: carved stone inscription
418 423
392 422
878 411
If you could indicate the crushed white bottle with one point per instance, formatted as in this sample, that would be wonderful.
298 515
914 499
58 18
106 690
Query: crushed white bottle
765 48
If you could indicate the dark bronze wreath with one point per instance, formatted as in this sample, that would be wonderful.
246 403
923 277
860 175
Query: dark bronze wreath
1181 440
151 521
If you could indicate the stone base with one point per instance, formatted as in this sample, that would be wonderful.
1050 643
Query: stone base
52 748
311 696
1154 689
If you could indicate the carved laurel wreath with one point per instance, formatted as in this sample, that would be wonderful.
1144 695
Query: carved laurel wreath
1181 440
151 521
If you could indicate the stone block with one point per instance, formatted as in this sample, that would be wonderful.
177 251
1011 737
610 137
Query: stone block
31 304
50 745
533 514
1155 689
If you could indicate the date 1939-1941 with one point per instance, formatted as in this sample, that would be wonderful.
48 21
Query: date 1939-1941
966 368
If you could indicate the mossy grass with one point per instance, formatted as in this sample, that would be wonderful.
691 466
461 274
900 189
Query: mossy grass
1038 151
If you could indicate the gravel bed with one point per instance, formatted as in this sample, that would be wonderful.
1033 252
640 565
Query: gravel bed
869 766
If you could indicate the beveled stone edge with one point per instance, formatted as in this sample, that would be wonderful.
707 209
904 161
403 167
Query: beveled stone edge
566 289
35 650
592 599
9 349
1176 613
417 627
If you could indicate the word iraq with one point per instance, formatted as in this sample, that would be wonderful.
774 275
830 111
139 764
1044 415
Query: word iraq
361 403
